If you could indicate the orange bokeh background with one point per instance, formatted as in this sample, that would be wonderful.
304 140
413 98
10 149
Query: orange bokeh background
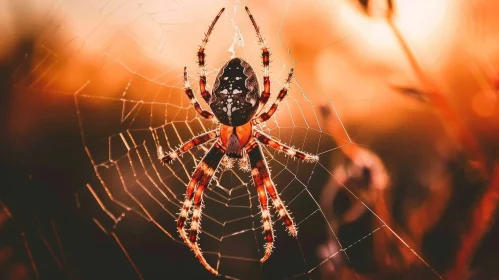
344 54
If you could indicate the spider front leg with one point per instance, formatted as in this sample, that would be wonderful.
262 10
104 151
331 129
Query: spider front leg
194 142
184 212
205 114
201 62
209 166
284 91
267 140
266 63
199 181
264 185
266 220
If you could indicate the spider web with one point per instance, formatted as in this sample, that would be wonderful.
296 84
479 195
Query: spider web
122 131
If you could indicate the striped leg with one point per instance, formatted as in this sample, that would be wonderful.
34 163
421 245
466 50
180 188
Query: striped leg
284 91
259 165
266 219
266 63
201 62
196 141
196 213
261 176
205 114
202 175
267 140
262 197
212 160
184 212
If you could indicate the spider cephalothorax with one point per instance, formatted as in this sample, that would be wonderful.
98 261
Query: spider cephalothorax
234 103
235 93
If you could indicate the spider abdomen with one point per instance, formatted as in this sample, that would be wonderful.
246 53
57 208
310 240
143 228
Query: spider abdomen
240 133
235 93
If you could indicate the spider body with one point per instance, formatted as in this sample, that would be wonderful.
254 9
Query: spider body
235 138
235 93
235 102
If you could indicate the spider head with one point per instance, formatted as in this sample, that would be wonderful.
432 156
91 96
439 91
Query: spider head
235 94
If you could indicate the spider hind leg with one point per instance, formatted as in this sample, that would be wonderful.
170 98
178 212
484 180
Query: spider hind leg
201 59
190 94
265 116
264 97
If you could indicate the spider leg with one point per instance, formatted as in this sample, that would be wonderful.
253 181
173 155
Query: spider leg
184 212
266 63
205 114
267 140
201 62
212 160
261 176
259 167
284 91
196 141
262 197
202 175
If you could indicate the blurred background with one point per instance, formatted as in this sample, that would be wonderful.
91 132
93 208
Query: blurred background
399 99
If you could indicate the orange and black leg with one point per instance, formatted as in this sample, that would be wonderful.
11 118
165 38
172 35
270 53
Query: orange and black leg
201 60
194 142
262 197
264 186
205 114
284 91
267 140
266 63
200 180
212 160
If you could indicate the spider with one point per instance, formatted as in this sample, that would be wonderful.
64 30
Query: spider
235 102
